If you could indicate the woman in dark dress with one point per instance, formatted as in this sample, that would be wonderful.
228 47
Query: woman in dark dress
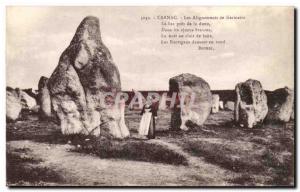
149 116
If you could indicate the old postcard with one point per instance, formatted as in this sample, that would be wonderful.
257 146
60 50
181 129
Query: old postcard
150 96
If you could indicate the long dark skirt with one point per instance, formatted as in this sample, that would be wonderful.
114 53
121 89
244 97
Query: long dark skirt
151 132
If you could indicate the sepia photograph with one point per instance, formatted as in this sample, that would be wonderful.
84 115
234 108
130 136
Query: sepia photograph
150 96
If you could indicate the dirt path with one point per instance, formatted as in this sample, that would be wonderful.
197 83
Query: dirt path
83 169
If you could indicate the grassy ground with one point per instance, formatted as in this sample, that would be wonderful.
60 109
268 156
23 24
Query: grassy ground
217 153
24 170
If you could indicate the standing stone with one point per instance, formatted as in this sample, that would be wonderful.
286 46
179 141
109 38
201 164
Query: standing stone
13 104
280 103
215 103
229 105
44 100
251 105
221 105
196 99
31 93
27 101
162 101
85 74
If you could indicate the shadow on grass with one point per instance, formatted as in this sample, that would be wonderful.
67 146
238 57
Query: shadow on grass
222 156
129 149
22 170
40 131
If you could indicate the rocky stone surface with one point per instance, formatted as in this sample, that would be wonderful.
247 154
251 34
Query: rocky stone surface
162 102
85 73
44 99
196 97
13 104
16 101
31 93
27 101
229 105
251 105
215 103
281 105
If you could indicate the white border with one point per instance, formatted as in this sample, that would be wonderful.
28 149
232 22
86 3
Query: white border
153 2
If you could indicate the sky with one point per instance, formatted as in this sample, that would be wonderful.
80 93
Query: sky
259 47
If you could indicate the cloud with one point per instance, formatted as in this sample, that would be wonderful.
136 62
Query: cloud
114 41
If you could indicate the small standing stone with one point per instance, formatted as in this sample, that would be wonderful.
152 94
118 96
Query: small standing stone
195 105
215 103
281 105
251 105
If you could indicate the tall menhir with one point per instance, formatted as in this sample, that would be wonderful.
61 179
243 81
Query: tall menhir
85 70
